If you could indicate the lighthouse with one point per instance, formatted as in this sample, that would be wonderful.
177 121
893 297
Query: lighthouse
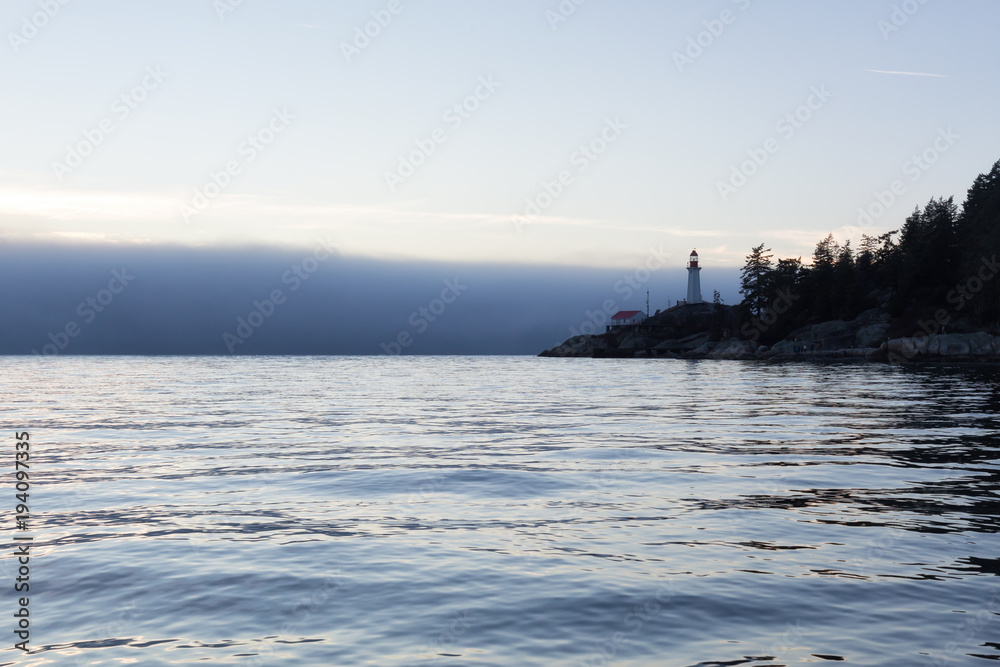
694 280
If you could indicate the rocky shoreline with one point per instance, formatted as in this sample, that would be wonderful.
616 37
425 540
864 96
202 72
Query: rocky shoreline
708 331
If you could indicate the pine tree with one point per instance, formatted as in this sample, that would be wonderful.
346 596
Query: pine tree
978 240
755 279
845 284
820 283
941 258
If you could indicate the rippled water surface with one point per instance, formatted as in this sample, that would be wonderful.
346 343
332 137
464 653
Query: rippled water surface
504 511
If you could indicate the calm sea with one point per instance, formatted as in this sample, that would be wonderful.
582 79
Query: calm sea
503 511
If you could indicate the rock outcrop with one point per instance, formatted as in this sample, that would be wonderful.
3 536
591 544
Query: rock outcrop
670 333
708 331
734 348
979 346
577 346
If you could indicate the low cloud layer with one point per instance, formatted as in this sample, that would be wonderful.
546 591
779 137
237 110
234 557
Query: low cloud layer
141 300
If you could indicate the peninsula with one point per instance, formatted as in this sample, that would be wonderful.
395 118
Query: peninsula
926 292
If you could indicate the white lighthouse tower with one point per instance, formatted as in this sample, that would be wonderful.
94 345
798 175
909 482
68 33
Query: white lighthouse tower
694 280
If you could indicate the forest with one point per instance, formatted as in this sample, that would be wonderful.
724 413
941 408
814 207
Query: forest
937 272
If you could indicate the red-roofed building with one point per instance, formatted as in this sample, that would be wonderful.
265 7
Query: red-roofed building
623 317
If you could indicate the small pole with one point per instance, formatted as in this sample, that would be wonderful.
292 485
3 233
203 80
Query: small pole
647 303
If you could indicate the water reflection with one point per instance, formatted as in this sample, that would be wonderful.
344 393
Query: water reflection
510 511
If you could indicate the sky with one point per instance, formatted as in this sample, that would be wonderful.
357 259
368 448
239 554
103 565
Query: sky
675 95
584 134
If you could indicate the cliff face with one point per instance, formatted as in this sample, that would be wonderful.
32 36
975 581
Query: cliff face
707 331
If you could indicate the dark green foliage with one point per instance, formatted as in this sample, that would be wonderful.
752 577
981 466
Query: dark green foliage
922 268
978 241
755 279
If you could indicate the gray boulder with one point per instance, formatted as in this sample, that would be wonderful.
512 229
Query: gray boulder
699 352
734 348
577 346
832 335
872 335
958 347
981 344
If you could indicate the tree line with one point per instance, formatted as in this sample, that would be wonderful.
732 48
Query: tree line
941 265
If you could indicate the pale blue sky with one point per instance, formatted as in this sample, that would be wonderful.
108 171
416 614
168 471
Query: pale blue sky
324 174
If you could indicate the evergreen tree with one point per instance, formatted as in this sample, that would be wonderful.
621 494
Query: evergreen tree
927 266
865 260
755 279
845 284
978 239
941 257
820 283
787 275
825 255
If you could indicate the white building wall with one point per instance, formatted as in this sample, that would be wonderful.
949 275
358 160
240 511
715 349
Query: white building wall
694 285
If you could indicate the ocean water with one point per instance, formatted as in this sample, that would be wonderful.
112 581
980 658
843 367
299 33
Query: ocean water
503 511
